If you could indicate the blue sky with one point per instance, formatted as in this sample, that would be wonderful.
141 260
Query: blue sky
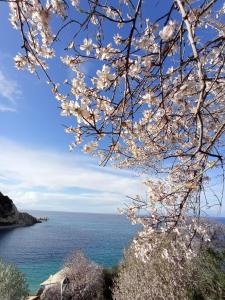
36 168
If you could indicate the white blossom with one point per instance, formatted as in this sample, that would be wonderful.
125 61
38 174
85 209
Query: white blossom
167 32
87 46
135 68
104 79
117 39
75 3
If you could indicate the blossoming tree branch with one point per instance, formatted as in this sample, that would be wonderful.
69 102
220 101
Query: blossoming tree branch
153 100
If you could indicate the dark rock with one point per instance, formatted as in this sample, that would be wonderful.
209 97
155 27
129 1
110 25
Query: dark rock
10 216
25 218
8 211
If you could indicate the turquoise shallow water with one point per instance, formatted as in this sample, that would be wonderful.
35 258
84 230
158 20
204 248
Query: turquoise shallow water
40 250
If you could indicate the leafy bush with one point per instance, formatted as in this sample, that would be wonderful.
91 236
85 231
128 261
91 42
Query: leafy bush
208 276
12 283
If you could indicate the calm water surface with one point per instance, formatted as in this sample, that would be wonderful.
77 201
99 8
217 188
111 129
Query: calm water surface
40 250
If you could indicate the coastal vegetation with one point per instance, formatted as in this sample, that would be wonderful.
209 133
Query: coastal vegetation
85 280
201 278
85 277
13 285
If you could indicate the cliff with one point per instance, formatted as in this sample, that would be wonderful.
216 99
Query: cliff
10 216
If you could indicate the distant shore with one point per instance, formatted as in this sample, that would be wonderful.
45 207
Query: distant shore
2 227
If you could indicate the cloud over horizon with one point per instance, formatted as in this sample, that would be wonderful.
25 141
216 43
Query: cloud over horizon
50 180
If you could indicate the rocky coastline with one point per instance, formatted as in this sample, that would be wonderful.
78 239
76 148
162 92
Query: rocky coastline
10 217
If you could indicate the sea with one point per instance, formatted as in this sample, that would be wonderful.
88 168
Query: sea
40 250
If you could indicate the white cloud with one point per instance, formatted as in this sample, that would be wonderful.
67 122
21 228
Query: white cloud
4 108
9 93
50 180
44 179
83 202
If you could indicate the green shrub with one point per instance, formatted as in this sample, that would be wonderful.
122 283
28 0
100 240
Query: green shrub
13 285
208 276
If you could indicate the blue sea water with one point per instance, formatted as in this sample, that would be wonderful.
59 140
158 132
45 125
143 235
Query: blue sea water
40 250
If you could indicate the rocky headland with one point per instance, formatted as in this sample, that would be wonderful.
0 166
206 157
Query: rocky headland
11 217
